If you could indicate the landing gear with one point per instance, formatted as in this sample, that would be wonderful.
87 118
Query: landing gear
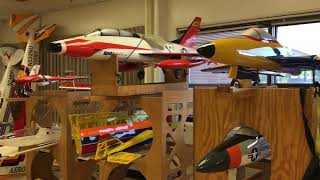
238 83
178 73
141 74
255 83
235 83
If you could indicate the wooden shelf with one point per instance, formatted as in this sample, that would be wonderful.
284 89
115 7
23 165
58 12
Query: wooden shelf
274 112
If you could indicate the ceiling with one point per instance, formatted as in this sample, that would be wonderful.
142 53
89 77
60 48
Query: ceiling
8 7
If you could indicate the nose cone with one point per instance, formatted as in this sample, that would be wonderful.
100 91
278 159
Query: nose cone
207 50
55 47
214 162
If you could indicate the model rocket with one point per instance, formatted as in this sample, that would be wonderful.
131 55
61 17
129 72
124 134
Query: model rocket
243 146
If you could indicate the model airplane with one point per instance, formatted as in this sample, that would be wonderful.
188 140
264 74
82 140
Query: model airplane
133 50
111 136
90 137
27 27
13 145
43 80
256 50
242 146
10 57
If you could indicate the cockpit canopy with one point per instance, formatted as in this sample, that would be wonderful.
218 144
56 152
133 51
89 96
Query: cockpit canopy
258 34
112 32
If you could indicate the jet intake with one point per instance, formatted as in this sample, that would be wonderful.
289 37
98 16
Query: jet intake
55 47
207 50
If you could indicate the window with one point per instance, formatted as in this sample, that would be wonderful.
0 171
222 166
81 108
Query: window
304 38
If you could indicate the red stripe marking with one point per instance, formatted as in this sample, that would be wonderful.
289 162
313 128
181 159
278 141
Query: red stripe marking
235 156
85 48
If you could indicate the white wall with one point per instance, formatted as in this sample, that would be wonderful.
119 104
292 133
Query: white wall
79 20
112 13
179 13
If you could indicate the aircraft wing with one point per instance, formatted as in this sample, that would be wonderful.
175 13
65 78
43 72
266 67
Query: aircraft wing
12 151
284 56
75 86
45 78
221 68
170 54
303 62
123 157
226 68
181 63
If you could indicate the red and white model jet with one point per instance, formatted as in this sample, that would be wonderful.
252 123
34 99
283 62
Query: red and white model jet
134 49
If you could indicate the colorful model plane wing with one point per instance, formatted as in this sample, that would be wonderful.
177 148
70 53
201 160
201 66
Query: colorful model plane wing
45 79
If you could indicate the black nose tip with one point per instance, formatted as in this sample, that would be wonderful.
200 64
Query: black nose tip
214 162
55 47
207 50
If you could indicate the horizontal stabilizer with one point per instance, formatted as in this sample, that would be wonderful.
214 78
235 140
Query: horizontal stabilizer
170 54
180 63
45 32
123 157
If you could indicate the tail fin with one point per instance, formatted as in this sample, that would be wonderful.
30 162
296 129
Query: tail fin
188 39
27 27
24 25
35 70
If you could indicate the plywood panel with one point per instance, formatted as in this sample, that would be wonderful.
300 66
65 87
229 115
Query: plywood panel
276 113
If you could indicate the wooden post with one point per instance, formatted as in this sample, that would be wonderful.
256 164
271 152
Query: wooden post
276 113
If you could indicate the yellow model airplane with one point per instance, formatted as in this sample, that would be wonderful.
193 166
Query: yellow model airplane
114 152
256 50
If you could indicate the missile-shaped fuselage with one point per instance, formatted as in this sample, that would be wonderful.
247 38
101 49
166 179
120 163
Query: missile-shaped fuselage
236 151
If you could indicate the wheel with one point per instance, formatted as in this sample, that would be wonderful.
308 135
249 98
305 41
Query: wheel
255 83
23 90
178 73
141 74
235 83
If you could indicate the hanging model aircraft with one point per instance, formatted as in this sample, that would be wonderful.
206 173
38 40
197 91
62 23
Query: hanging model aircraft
253 51
242 146
10 57
133 50
112 136
27 27
43 80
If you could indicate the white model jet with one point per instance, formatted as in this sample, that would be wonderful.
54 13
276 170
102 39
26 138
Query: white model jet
13 145
10 57
134 50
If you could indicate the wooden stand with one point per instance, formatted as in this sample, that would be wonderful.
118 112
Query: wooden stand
276 113
158 100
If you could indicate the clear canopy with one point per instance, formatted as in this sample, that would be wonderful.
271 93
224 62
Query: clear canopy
258 33
111 32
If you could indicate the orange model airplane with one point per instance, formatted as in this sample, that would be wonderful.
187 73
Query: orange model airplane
255 50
